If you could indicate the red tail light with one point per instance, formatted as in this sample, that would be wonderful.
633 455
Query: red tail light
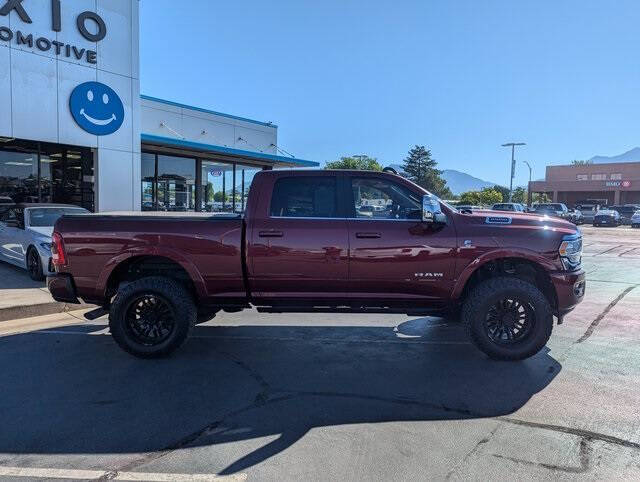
58 255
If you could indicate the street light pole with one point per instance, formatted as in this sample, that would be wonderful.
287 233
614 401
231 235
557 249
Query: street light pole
529 185
512 145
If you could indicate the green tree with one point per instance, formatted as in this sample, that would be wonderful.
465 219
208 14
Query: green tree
209 192
421 168
519 195
360 163
487 197
471 198
220 196
502 190
540 197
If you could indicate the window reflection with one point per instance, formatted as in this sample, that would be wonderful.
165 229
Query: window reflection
169 184
19 176
244 178
176 185
217 187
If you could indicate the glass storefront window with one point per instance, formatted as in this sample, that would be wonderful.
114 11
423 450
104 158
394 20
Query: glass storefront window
176 183
244 178
217 187
171 184
32 172
148 181
19 176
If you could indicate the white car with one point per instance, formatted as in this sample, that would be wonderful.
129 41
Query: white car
635 220
25 235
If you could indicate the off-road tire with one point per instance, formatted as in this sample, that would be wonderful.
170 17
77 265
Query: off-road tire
172 292
482 298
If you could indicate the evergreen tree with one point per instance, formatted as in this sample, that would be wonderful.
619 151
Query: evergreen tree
422 169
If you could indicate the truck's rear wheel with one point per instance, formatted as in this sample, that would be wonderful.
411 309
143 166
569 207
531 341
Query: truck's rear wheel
152 317
508 318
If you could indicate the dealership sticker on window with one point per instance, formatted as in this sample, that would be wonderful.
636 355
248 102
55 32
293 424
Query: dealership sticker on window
96 108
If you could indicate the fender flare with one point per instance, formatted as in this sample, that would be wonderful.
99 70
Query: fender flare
526 254
172 255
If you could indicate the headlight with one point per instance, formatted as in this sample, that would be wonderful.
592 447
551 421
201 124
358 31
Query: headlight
571 252
46 246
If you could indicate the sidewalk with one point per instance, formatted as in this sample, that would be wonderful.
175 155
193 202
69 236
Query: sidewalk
21 297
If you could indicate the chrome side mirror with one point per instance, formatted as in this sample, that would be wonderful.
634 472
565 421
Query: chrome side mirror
431 211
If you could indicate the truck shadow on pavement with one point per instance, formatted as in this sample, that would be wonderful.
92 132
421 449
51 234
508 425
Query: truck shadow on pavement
73 391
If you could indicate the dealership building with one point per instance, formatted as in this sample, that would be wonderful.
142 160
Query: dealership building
616 183
75 129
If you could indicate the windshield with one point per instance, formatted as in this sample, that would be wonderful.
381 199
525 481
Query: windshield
47 217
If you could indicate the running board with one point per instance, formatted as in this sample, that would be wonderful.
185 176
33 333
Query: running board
345 309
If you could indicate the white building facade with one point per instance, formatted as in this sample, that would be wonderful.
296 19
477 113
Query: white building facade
74 128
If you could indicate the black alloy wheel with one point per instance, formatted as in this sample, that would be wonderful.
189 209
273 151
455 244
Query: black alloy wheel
34 266
152 317
150 320
509 320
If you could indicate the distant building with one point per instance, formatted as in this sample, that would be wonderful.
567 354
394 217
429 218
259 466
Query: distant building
617 183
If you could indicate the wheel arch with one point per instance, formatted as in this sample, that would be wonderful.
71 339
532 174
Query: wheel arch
136 266
533 269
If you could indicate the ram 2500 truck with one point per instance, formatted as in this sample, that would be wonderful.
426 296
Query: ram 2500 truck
311 242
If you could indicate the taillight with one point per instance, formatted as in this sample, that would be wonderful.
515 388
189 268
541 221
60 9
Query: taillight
57 250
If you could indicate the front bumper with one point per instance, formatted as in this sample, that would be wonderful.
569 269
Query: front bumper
570 289
62 288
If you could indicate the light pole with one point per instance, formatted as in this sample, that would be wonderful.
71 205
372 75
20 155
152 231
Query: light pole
513 163
529 185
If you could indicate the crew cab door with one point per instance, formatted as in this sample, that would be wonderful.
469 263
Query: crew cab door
393 254
298 238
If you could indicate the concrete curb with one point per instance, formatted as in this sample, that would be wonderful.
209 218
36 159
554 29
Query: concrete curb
30 311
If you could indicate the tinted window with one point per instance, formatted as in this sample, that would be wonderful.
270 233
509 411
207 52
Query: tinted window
305 197
376 198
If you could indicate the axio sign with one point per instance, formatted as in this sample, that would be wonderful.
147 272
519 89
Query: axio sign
44 44
96 108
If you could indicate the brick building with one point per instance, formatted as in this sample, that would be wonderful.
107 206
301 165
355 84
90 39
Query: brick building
618 183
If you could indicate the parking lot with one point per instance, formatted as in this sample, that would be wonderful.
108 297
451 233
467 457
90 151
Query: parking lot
316 397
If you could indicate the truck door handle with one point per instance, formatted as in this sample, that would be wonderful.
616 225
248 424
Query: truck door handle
270 234
368 235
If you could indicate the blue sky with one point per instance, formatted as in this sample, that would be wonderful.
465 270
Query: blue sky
376 77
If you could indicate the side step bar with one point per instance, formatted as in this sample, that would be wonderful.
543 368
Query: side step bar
345 309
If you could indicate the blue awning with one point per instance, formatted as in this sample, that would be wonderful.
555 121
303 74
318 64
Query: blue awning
276 161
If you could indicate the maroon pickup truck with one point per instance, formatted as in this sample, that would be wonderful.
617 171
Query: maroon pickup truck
323 241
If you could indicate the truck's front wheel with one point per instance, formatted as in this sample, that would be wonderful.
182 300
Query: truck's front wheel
152 317
508 319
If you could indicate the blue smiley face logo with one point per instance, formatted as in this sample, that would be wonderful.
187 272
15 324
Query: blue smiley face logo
96 108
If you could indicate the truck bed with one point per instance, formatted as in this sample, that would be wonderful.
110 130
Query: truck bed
208 247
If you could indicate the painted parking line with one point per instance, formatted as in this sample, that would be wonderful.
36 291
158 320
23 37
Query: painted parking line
41 473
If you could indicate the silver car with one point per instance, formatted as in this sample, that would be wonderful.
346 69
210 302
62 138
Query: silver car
25 235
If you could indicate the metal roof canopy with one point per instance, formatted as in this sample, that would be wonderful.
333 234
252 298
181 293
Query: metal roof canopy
180 147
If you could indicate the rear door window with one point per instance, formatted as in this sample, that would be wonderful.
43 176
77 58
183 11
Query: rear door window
305 197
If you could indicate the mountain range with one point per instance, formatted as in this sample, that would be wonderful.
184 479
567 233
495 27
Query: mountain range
629 156
458 181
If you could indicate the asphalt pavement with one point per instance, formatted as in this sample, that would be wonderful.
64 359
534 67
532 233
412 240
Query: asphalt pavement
317 397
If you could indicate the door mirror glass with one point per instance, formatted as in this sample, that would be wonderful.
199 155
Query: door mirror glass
431 211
